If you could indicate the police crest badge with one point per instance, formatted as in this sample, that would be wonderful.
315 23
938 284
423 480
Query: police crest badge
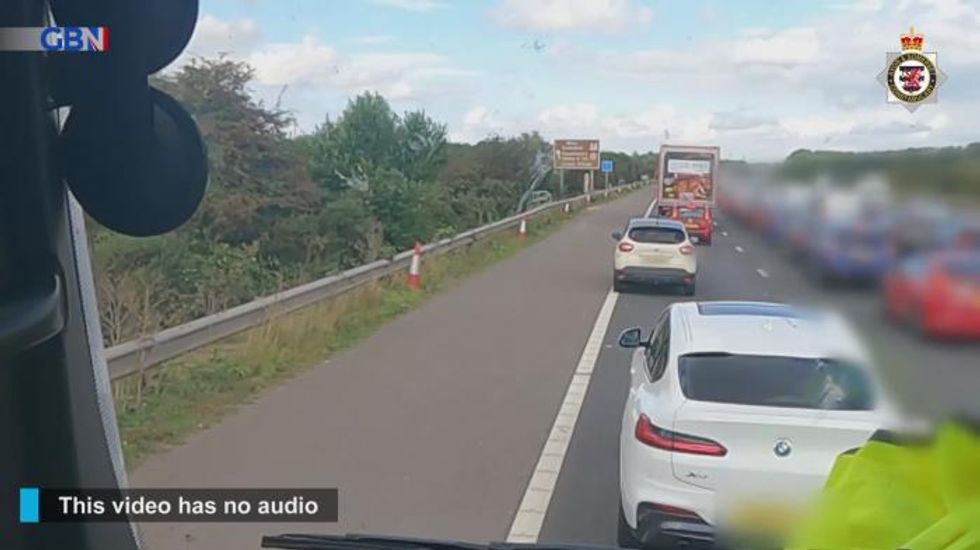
912 76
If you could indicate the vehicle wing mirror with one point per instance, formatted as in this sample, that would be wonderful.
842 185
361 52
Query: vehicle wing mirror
617 235
631 338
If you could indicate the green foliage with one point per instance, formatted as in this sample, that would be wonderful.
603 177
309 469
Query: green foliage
283 210
953 171
255 175
364 138
422 151
411 210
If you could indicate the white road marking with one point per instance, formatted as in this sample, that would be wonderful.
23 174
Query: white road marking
739 249
534 506
724 233
762 273
653 203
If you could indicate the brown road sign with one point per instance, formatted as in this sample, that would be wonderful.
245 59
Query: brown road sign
576 154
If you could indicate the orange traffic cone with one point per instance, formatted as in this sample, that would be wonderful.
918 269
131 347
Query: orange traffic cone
522 229
414 276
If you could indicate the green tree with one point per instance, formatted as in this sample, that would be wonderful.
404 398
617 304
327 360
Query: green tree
256 174
422 150
409 210
364 138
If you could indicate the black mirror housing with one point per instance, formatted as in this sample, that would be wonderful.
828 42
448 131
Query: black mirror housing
631 338
617 235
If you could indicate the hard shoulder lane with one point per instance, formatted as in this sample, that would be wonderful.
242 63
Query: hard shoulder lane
430 427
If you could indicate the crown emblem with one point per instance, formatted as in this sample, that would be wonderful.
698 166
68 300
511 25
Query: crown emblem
912 41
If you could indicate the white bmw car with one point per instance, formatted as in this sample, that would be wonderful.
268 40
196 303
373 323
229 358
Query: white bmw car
735 414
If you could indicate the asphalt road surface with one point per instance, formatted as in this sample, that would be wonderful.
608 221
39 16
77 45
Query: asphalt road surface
433 426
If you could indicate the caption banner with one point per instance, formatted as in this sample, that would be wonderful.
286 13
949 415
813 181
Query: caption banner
178 505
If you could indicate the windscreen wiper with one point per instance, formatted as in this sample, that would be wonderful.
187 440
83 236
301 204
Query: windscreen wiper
384 542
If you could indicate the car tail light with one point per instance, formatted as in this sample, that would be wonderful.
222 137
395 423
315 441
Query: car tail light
687 250
625 247
667 440
674 510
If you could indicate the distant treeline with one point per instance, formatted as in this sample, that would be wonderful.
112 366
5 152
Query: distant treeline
282 210
949 171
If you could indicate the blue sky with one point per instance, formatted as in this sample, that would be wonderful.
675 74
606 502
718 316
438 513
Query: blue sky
759 78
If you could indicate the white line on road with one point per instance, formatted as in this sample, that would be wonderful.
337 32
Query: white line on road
724 233
739 249
650 208
534 506
762 273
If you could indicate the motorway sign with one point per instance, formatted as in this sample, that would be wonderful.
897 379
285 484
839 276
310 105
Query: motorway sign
606 166
576 154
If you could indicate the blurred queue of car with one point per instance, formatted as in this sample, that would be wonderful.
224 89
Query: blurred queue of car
923 254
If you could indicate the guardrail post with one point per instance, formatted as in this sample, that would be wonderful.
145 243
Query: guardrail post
141 376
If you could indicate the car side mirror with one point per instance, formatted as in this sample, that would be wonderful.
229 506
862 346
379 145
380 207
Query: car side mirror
617 235
631 338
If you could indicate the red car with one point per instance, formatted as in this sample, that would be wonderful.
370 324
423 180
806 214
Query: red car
938 293
696 219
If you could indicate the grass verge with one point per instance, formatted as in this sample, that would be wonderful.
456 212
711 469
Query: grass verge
196 390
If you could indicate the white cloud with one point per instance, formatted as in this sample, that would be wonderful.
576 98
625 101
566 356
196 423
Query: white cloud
643 129
475 116
861 6
411 5
479 122
816 126
740 120
372 39
760 93
306 62
575 115
563 15
213 36
789 47
817 63
397 76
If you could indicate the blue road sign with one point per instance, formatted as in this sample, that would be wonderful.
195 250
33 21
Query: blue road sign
606 166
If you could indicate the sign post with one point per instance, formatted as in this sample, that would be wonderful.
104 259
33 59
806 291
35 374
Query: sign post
607 168
576 154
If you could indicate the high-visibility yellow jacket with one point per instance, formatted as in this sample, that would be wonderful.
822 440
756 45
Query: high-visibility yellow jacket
908 494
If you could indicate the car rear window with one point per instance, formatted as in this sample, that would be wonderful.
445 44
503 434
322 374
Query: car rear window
657 235
771 381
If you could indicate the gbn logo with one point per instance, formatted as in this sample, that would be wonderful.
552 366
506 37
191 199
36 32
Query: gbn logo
75 39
